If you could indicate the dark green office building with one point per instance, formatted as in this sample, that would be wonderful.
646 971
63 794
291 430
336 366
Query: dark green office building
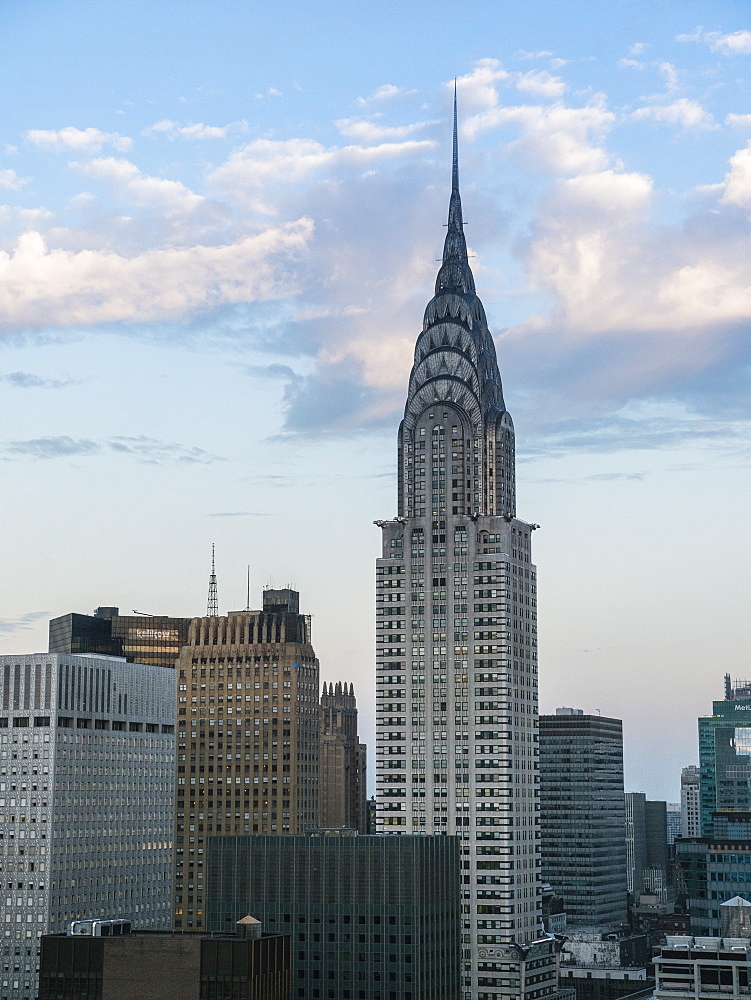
371 917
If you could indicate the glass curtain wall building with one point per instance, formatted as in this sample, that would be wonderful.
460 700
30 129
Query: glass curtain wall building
582 816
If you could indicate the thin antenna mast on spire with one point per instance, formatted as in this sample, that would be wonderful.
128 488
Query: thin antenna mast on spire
455 160
247 603
212 610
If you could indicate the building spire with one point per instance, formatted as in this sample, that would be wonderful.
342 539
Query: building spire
455 273
213 603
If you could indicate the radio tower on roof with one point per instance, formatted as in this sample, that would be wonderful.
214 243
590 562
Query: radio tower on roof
212 609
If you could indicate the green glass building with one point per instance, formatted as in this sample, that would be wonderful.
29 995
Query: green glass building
725 761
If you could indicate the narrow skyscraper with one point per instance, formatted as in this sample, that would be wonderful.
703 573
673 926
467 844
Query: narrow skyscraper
342 759
582 817
456 738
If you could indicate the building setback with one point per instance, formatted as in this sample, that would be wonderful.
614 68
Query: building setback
371 918
456 639
87 759
247 739
582 816
342 762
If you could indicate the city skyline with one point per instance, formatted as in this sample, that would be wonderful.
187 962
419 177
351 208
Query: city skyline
240 244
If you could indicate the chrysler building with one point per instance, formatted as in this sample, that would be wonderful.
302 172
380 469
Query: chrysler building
456 744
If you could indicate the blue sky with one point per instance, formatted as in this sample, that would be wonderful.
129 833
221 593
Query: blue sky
218 232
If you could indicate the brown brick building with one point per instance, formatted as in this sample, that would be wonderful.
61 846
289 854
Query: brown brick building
342 794
247 736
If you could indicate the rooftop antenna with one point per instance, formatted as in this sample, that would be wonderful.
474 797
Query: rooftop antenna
212 610
247 603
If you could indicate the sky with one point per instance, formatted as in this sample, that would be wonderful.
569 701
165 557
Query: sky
219 228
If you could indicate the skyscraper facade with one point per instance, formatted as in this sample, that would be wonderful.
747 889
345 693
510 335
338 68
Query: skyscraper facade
582 816
725 761
247 736
87 758
636 841
690 805
456 737
371 918
153 639
342 758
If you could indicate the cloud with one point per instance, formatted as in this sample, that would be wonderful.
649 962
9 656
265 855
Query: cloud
371 132
542 84
51 447
129 183
10 181
736 43
42 287
248 171
738 180
643 426
670 73
193 131
9 626
144 449
553 139
738 121
386 92
684 112
25 380
542 54
630 64
153 452
70 139
612 269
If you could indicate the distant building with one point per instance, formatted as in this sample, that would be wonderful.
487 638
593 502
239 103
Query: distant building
371 918
582 836
704 968
606 983
647 866
87 748
716 865
154 639
247 736
606 965
713 871
725 761
170 966
342 793
690 804
656 866
673 816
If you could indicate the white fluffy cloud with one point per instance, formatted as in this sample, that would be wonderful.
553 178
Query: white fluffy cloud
684 112
248 174
71 139
194 131
736 43
612 269
370 132
128 182
10 180
41 287
738 180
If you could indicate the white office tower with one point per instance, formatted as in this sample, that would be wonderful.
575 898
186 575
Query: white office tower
87 760
457 748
